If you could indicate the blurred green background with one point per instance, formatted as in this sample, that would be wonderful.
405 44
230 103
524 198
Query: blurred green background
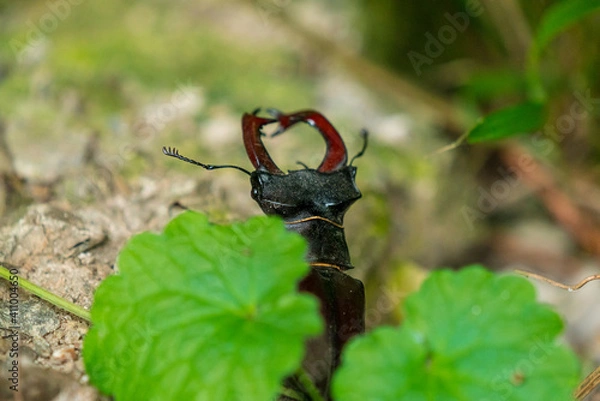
90 91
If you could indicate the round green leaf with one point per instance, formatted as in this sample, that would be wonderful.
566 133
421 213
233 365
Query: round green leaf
202 312
468 335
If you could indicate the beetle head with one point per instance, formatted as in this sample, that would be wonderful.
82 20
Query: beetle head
327 191
336 155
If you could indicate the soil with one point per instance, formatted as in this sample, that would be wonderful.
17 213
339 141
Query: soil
68 250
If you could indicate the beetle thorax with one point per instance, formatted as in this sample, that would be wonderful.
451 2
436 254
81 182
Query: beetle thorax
313 204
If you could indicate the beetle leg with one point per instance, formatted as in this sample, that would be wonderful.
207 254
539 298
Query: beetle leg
257 153
336 155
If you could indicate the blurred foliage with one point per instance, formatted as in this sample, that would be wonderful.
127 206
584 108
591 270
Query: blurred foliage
147 45
470 52
71 70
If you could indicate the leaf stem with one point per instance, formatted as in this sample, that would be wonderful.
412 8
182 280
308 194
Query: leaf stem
588 384
45 295
569 288
308 385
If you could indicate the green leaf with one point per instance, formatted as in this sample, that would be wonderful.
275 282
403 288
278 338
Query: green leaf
495 83
202 312
556 19
510 121
467 335
560 16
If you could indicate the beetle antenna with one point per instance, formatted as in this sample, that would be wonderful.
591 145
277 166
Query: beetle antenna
303 165
365 136
173 152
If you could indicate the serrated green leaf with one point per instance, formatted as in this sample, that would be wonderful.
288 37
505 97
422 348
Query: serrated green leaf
560 16
202 312
468 335
510 121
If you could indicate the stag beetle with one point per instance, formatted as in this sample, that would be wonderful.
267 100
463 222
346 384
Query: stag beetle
311 202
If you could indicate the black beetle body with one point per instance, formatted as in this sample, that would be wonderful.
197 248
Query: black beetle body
312 202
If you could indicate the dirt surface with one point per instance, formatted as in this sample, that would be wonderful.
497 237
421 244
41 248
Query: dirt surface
68 251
